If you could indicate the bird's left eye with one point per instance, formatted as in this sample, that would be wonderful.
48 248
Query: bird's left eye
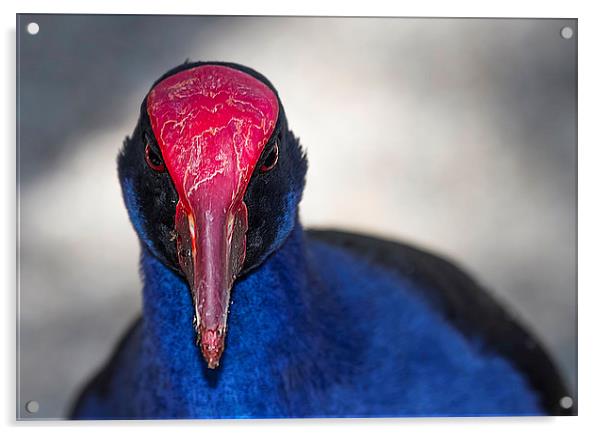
271 159
153 159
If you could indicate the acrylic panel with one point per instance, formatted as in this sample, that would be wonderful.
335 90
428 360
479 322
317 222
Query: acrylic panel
170 169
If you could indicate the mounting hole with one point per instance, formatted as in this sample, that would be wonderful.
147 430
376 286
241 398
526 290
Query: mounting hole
33 28
566 402
567 33
32 406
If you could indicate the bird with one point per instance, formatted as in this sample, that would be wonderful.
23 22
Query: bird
247 314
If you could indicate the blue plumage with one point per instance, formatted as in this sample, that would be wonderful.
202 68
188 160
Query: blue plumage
380 351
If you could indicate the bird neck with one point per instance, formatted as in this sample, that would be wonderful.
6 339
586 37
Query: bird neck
281 316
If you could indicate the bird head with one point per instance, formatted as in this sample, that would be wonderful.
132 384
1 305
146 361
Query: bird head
211 178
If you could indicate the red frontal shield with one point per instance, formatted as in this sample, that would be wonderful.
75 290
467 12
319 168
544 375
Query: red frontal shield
212 123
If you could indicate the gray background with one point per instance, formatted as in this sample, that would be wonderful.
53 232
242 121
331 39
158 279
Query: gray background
455 134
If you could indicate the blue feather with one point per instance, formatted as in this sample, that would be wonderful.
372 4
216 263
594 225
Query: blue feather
313 332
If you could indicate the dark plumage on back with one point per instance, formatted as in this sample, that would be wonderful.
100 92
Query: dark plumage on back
465 305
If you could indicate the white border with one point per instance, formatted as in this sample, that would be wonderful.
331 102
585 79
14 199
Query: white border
590 198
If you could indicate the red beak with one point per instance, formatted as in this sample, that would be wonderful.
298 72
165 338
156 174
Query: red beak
212 123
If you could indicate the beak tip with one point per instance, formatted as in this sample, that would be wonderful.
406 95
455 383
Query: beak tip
212 347
212 359
212 364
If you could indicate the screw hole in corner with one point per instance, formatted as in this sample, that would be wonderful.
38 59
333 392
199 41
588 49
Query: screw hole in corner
33 28
32 407
566 402
567 32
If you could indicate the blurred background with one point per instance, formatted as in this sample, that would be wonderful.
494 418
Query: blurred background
458 135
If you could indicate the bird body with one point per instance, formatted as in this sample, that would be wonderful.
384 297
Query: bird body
320 324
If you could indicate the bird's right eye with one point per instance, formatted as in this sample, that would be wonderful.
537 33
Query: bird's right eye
153 159
271 159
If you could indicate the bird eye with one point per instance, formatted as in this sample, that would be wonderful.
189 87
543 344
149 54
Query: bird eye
153 159
271 159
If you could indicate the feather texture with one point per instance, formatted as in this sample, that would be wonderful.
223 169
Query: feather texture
338 337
